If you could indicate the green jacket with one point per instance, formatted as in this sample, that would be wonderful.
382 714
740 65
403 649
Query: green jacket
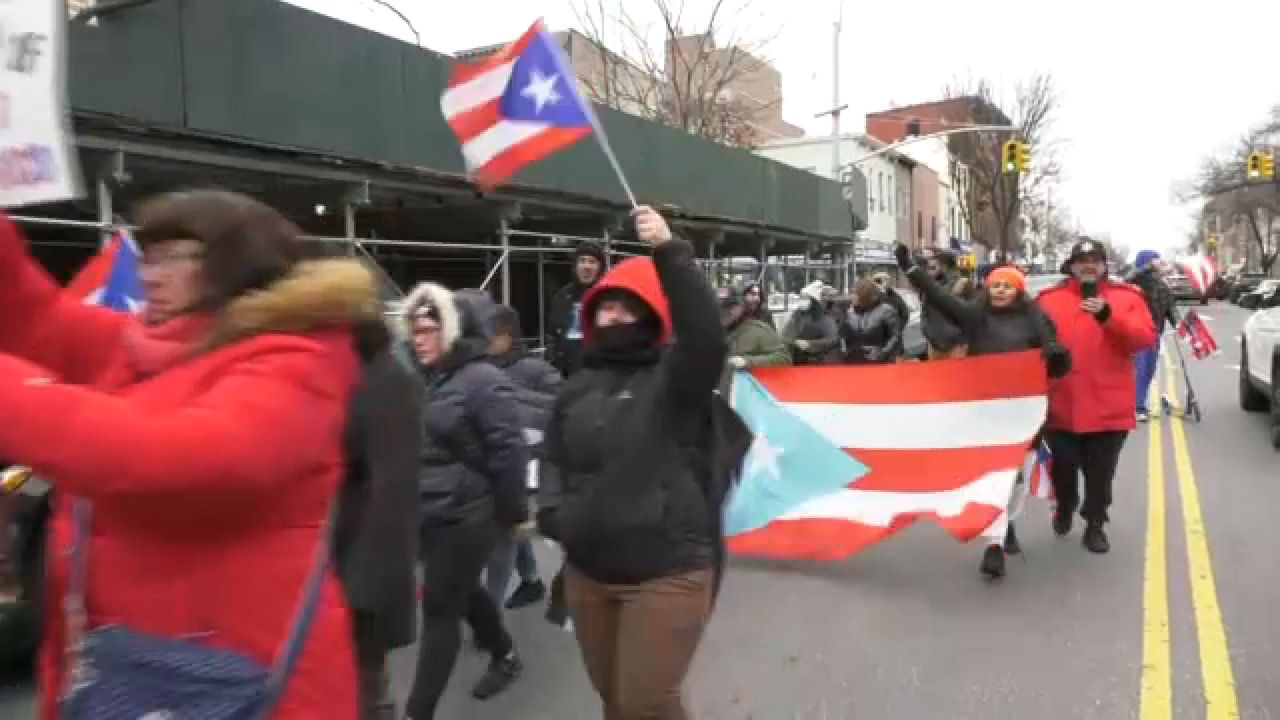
756 343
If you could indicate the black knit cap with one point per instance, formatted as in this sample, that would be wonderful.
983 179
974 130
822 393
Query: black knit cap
588 248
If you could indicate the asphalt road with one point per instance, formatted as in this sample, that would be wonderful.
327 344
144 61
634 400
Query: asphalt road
909 630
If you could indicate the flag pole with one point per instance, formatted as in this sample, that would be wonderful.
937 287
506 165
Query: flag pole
598 130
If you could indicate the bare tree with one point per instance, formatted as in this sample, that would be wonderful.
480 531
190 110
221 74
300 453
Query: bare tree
991 201
1224 189
679 77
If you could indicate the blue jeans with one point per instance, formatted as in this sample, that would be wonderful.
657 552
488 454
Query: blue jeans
1145 362
511 555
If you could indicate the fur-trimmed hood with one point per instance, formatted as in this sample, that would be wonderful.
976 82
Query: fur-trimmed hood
315 294
465 315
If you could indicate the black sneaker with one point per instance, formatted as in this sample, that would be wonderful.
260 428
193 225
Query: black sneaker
527 593
1011 544
1095 538
1062 522
501 673
992 566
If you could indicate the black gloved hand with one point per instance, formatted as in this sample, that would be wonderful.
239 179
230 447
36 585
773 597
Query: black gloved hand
903 255
1057 361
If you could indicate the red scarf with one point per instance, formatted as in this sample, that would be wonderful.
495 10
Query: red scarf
152 349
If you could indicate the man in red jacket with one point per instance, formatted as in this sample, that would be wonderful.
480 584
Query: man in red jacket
1103 322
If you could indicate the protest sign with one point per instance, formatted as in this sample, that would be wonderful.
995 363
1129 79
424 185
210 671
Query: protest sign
37 163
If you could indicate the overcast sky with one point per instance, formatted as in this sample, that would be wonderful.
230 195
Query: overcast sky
1154 84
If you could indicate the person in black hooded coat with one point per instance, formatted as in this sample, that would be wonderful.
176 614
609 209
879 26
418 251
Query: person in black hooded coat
636 495
375 536
471 487
564 329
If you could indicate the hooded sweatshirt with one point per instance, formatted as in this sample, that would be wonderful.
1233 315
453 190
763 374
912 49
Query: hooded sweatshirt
474 456
813 324
629 494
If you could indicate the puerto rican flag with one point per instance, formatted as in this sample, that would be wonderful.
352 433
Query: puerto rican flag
111 279
1201 272
515 107
1194 330
845 456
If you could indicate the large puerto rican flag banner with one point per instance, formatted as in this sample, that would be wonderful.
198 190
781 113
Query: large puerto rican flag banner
845 456
111 279
515 107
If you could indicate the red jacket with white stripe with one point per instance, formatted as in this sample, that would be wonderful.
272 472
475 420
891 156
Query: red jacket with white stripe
1098 394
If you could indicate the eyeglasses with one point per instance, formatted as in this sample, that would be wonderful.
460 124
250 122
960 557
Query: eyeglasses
169 259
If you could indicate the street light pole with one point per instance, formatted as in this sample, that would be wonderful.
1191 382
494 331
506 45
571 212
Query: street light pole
931 136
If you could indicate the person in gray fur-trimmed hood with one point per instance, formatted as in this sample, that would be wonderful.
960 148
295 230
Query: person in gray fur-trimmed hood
471 487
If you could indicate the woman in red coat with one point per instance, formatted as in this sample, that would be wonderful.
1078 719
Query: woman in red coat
206 432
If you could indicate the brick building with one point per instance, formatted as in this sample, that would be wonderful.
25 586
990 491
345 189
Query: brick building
689 59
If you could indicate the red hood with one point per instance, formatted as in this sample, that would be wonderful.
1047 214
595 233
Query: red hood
639 276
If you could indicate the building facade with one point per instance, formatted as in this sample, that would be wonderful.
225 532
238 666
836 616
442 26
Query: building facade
889 178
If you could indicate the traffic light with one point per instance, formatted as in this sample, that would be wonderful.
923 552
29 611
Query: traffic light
1255 165
1015 157
1268 166
1024 157
1009 157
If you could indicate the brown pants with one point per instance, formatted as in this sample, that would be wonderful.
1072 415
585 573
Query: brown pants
638 641
954 353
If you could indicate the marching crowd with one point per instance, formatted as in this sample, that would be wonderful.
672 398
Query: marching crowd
250 472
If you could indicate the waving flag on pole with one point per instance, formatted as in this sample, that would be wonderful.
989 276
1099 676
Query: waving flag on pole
515 107
1201 272
845 456
111 279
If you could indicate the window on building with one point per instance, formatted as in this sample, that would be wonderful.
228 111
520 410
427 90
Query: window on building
920 225
880 181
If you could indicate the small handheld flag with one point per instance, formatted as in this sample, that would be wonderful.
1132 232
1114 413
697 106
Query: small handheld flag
518 106
111 279
1196 333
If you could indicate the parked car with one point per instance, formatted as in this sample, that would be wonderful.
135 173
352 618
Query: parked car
1259 366
1183 290
26 502
1245 283
1259 296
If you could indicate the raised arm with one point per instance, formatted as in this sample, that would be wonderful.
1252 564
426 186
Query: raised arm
43 324
697 356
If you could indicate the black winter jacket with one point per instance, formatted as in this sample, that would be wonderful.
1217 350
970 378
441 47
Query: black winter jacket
536 386
941 331
630 495
987 330
1159 297
474 458
376 530
871 335
564 330
815 326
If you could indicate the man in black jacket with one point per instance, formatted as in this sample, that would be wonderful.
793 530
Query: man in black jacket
946 338
900 307
1149 277
564 318
536 384
376 527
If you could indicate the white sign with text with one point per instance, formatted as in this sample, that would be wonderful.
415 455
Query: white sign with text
37 163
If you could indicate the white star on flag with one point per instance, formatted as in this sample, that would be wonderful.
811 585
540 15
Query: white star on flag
541 89
764 456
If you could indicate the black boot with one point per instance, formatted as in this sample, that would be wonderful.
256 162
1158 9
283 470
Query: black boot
1011 544
501 673
992 566
1062 521
527 593
1095 538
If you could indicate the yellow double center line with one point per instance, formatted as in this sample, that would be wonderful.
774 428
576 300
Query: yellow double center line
1215 660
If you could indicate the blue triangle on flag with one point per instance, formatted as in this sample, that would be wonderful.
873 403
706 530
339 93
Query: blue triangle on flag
543 88
123 289
789 464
